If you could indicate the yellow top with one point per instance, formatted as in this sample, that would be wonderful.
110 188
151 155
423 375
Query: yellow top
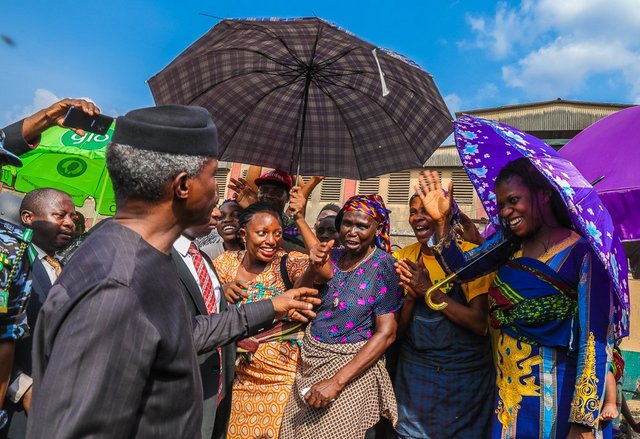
471 289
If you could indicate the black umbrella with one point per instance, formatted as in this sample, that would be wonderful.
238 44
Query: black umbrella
307 96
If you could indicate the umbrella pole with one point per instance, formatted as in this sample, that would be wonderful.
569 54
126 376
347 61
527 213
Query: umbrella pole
305 102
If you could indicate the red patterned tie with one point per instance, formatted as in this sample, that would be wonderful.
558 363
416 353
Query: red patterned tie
203 279
207 294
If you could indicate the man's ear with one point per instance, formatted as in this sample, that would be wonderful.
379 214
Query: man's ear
26 216
181 185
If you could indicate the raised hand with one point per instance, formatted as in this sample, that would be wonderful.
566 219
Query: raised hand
319 254
35 124
297 202
244 194
297 304
436 202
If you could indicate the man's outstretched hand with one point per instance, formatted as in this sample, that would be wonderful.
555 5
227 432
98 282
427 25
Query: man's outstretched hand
297 304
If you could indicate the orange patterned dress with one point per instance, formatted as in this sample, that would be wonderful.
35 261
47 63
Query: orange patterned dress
262 384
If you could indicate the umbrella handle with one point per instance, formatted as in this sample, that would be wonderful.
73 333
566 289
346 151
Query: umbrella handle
427 297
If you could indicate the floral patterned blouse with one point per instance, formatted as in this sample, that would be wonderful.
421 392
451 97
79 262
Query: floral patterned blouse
353 299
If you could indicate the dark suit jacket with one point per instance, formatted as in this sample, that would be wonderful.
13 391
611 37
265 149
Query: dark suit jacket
14 141
214 421
114 350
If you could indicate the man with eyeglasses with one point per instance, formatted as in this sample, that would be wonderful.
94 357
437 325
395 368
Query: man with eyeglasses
15 285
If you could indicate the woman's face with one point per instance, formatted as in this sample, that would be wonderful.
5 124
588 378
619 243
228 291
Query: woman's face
357 231
326 230
227 222
262 236
518 207
420 221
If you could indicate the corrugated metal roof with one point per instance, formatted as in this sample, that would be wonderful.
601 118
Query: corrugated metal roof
444 157
550 115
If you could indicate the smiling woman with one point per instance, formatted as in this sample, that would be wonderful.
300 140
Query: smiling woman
267 365
550 304
444 380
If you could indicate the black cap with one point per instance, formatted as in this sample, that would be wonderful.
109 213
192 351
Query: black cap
171 129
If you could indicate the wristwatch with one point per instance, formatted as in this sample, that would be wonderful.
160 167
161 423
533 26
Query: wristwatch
4 418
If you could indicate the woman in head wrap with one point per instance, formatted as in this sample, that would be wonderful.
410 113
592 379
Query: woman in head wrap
444 379
551 304
343 388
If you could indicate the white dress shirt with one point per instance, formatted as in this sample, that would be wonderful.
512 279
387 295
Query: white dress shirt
48 268
182 247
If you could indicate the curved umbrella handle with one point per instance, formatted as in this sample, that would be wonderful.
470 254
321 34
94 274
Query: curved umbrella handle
427 297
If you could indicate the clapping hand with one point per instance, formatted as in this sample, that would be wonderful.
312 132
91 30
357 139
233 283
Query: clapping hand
414 277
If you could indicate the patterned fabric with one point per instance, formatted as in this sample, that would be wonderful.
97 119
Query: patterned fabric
356 409
445 377
255 69
485 147
352 299
617 363
263 379
203 278
538 311
55 264
551 373
15 287
372 205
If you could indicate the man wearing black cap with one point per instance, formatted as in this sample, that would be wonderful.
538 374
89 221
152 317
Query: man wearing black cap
115 349
18 138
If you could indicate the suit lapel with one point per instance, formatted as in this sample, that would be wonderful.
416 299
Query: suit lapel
189 282
40 282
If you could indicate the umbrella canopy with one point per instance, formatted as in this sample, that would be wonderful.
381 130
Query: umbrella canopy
485 147
69 162
609 149
307 96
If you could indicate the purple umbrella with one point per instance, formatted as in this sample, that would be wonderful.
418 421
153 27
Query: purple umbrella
609 149
485 147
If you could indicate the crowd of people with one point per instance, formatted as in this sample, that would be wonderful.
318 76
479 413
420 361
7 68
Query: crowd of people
289 330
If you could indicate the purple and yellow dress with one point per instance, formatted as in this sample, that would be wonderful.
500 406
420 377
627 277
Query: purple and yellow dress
554 337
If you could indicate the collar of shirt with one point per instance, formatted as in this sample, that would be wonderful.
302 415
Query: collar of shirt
182 245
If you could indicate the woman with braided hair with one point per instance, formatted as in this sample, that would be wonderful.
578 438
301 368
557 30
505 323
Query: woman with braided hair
343 388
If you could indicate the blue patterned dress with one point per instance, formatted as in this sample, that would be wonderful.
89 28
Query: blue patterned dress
352 299
554 336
